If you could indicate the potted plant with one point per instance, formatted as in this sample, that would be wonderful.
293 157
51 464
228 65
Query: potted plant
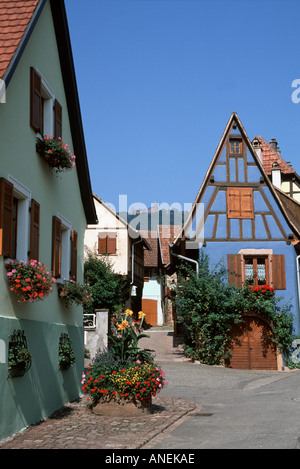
66 355
29 281
56 153
121 381
74 292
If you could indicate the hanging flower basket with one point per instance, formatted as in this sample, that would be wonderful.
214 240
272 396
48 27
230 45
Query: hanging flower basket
19 358
29 281
56 153
66 355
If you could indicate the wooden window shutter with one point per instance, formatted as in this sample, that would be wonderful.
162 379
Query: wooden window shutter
56 247
234 266
247 206
34 230
57 120
73 270
6 217
240 202
111 245
36 107
277 262
101 245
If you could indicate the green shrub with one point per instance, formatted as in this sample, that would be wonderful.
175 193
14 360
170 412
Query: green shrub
109 290
208 307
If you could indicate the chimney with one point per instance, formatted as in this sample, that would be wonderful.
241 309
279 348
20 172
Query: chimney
257 148
273 143
276 175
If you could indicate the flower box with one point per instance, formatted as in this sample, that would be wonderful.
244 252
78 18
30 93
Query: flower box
55 153
74 292
29 281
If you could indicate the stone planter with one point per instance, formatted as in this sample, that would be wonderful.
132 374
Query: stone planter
124 408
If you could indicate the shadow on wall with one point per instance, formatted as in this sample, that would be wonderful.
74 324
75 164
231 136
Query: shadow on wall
45 387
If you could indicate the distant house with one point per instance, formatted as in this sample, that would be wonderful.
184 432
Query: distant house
157 280
280 172
42 215
254 228
113 238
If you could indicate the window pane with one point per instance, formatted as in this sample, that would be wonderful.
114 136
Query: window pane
261 271
249 270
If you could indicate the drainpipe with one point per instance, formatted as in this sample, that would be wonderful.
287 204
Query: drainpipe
188 259
132 260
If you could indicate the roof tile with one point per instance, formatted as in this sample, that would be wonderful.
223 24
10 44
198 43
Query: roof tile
15 16
167 235
270 155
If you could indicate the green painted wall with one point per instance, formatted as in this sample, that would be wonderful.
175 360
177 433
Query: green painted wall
44 388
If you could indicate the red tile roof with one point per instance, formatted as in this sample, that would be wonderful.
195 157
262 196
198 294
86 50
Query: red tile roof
270 155
15 16
159 241
167 234
151 257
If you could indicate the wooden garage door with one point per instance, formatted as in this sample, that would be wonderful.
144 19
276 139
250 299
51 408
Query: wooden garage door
251 346
149 307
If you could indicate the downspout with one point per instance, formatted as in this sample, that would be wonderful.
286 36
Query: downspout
188 259
132 260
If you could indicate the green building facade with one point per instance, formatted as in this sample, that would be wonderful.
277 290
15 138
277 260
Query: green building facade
63 199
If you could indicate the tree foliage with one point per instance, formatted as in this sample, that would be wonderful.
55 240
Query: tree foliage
109 289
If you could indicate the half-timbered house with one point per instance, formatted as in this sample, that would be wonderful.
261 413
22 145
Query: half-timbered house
253 227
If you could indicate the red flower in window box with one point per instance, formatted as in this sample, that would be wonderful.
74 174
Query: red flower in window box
56 153
29 281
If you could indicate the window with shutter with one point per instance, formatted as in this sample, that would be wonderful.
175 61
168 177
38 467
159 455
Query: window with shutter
36 104
240 202
57 120
56 247
73 270
34 230
107 243
268 269
256 270
45 110
6 217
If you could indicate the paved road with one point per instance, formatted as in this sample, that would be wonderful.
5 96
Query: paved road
202 407
241 409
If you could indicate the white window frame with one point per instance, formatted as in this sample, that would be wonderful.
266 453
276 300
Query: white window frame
66 229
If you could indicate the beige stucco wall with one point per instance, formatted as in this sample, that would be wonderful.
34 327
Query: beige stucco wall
108 222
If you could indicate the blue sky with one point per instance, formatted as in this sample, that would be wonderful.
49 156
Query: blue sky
159 79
